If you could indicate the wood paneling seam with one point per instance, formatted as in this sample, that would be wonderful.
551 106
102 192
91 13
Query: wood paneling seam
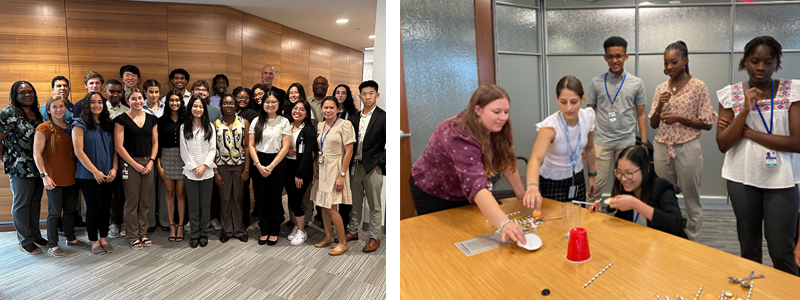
69 66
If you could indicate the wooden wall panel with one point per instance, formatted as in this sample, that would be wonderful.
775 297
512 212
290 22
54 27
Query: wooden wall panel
102 38
233 54
319 63
294 57
197 40
33 46
355 70
40 39
340 68
261 45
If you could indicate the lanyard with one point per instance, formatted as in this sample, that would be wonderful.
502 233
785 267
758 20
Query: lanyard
618 89
322 140
573 156
771 107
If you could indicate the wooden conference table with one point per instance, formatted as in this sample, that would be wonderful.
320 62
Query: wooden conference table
646 262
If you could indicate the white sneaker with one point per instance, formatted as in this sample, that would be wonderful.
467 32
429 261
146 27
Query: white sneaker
215 223
122 231
299 238
113 231
294 231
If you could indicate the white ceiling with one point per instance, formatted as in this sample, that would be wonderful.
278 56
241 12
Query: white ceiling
315 17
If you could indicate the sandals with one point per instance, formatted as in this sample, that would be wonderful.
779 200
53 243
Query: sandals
147 242
179 238
30 249
172 234
136 245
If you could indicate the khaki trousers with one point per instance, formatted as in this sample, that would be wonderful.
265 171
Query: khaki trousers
684 170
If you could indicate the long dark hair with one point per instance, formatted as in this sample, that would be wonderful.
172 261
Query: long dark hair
498 147
263 116
12 100
187 122
181 110
250 103
349 103
262 87
288 105
638 156
307 107
86 113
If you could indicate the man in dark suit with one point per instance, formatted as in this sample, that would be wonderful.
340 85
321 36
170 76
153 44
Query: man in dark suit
368 165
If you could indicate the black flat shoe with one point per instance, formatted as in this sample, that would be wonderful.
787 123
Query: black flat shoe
223 238
193 243
272 243
262 242
243 238
151 230
203 241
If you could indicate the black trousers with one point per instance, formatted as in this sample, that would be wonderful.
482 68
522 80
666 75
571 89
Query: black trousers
426 203
268 192
294 194
97 207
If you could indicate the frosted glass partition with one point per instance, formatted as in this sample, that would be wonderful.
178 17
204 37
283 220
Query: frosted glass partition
583 67
585 30
516 29
661 26
519 76
532 3
581 3
440 59
713 69
779 21
651 2
790 68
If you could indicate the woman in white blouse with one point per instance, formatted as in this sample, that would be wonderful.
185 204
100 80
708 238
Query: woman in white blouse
268 144
198 150
555 169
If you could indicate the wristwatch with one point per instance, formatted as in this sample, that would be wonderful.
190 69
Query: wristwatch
42 175
342 174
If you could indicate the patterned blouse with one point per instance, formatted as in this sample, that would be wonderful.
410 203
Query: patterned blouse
230 143
691 101
18 144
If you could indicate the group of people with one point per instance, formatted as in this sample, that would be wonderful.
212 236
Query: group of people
758 131
139 160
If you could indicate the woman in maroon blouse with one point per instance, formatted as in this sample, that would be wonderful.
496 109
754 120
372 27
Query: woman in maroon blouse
462 152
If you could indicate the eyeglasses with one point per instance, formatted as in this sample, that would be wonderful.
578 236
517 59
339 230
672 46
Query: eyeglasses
626 174
259 94
298 108
200 90
243 98
613 57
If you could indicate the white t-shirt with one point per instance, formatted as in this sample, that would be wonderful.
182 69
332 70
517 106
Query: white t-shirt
293 144
272 134
745 162
556 165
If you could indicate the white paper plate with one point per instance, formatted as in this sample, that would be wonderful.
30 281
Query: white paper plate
534 242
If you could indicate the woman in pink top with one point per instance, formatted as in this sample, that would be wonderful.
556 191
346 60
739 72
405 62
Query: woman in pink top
681 109
463 151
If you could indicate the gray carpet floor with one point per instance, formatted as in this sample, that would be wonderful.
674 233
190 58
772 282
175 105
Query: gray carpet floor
169 270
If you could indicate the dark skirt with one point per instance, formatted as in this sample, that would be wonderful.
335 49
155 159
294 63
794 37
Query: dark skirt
172 163
559 189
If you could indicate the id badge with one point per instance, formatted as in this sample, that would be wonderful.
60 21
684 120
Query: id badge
612 117
125 172
772 158
319 160
572 191
300 150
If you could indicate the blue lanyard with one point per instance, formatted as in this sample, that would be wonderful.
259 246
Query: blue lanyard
573 156
618 89
771 107
322 140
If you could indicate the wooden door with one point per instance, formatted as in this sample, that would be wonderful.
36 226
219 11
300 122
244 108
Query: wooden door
407 208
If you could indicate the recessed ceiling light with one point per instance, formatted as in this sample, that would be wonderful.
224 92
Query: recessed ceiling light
372 36
341 21
369 48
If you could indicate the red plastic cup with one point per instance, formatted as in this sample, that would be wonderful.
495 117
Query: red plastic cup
578 249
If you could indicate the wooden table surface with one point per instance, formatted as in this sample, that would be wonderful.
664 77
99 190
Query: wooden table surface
646 262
